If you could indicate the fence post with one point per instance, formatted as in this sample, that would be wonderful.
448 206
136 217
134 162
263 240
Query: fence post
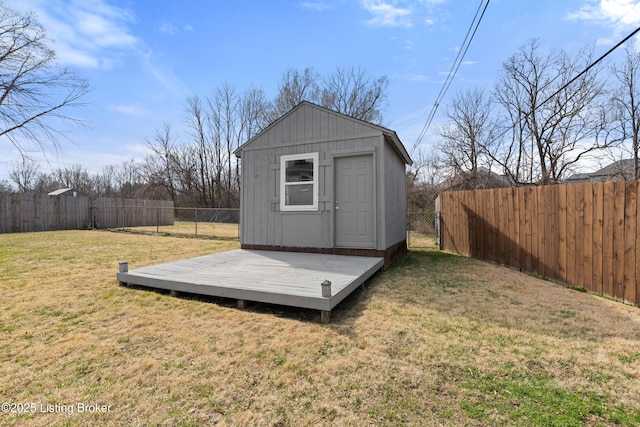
195 217
158 219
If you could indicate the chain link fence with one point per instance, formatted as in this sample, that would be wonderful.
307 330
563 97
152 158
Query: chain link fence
423 230
218 223
221 223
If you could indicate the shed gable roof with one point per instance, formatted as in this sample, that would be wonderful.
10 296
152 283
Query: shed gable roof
329 129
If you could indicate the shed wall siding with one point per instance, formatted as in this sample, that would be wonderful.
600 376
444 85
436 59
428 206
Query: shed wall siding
395 200
309 124
262 221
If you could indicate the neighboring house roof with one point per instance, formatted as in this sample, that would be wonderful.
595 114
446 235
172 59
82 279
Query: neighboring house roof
482 179
619 170
66 192
390 135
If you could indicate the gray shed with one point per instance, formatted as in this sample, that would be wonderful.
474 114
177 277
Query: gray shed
319 181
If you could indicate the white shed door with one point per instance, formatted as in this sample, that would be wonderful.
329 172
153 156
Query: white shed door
354 202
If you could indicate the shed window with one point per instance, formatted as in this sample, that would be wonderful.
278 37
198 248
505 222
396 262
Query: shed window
299 182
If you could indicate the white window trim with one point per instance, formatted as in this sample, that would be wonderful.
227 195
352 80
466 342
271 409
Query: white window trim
283 179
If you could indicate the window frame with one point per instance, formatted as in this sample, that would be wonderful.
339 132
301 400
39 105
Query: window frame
283 182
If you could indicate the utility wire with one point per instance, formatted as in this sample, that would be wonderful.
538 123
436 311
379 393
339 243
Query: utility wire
589 67
454 69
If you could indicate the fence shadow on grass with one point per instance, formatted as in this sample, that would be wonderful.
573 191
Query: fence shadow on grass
584 235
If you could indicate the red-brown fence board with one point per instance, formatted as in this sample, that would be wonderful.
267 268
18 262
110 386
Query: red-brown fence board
585 235
598 232
587 255
618 240
561 273
629 274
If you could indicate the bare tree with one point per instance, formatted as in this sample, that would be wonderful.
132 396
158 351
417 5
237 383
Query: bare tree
626 105
294 88
422 181
200 125
5 186
556 120
24 174
353 93
34 93
74 176
160 166
468 132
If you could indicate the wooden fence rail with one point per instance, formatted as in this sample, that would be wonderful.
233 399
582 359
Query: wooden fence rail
585 235
21 212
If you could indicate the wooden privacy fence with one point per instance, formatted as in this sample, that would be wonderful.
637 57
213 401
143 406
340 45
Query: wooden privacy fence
112 213
21 212
585 235
41 212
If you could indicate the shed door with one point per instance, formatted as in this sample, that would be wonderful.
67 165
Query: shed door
354 202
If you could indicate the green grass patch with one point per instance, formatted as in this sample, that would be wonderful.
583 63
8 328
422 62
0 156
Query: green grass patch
536 399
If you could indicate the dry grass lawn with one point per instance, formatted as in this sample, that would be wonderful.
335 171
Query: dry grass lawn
215 230
436 340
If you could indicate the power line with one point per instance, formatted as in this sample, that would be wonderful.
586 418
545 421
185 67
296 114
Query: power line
589 67
454 69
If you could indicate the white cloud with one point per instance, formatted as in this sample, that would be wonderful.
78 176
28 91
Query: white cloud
617 14
387 15
168 28
316 6
85 33
164 74
172 30
131 110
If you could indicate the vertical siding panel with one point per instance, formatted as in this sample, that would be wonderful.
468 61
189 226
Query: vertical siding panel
316 131
324 124
246 221
307 129
262 166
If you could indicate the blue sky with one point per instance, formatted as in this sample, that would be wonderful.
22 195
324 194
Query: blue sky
144 58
